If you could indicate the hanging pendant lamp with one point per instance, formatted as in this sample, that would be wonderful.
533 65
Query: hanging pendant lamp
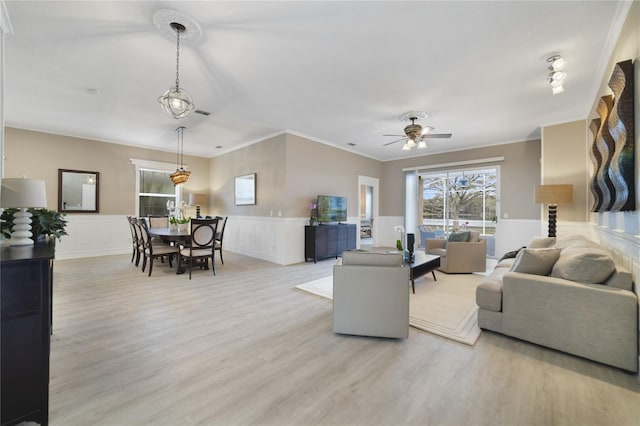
180 175
177 102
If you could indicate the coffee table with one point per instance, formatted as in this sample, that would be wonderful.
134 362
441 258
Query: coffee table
422 264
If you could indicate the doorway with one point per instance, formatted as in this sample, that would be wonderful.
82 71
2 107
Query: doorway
367 211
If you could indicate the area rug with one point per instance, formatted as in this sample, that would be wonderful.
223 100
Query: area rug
446 307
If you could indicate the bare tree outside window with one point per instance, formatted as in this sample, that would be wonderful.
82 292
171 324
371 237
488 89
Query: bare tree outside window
455 200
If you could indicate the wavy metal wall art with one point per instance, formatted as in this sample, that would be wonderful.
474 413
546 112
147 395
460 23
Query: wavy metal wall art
621 128
596 159
605 146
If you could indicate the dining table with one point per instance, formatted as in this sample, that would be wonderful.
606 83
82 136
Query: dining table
173 236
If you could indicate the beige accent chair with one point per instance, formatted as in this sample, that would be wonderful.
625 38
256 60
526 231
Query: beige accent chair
460 257
371 295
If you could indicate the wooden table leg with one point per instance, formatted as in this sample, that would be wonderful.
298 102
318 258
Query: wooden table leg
434 275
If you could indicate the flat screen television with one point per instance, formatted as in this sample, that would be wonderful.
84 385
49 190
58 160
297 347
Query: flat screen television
332 208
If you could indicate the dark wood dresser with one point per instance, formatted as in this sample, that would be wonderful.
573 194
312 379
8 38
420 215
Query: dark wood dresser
325 241
26 278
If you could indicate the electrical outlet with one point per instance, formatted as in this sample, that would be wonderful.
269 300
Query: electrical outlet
506 215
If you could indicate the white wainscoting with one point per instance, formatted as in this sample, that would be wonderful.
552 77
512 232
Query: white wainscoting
511 234
94 235
384 234
275 239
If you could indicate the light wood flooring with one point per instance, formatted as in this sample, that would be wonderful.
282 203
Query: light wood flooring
245 348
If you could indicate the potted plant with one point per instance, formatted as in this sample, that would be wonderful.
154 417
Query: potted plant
44 223
179 223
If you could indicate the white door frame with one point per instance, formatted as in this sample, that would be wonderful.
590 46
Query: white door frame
375 184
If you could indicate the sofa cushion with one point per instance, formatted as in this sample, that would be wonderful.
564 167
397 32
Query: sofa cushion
575 241
584 264
535 261
442 252
357 257
621 278
542 242
460 237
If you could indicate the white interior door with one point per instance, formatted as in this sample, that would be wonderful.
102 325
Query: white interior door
366 181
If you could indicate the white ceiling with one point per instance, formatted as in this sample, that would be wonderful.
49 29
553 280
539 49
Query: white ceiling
335 72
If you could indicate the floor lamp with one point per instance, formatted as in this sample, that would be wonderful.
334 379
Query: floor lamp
22 194
554 195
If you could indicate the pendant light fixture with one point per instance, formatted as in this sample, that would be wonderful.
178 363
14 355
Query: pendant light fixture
180 175
177 102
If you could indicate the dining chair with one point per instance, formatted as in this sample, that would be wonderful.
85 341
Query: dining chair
134 239
151 250
220 236
203 243
139 241
158 221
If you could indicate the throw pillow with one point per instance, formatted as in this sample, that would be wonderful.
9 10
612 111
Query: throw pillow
584 264
542 242
535 261
510 254
460 237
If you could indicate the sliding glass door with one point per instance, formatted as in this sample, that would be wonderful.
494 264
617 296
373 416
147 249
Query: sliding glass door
458 199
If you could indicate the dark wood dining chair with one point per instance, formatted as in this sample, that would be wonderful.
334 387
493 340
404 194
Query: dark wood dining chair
151 250
134 240
203 243
157 221
220 236
140 242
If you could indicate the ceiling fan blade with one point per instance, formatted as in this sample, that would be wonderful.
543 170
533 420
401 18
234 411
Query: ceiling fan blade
437 136
394 135
389 143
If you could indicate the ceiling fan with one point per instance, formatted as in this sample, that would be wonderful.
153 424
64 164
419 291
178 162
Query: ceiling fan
415 134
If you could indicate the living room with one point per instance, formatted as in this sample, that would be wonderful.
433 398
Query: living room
423 380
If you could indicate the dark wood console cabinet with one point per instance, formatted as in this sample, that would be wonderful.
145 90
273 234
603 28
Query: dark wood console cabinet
324 241
25 300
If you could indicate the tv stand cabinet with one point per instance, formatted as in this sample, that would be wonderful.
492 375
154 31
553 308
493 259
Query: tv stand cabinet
323 241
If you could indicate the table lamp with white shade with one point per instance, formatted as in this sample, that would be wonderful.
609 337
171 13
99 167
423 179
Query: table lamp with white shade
22 193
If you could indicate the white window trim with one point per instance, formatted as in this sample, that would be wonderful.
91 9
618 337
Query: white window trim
157 167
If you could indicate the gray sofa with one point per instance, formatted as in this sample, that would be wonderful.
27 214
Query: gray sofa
567 295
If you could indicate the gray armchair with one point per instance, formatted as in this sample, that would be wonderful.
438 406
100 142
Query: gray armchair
371 295
460 257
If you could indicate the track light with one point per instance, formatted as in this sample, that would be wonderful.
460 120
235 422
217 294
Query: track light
557 75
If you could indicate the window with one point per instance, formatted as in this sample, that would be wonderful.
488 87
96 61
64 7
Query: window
464 199
154 187
155 190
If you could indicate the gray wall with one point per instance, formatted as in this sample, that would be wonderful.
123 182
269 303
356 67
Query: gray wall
39 156
520 173
291 172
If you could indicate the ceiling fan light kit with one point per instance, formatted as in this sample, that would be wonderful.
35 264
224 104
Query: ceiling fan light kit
415 134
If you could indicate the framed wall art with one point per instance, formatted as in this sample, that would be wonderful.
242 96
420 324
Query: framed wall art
245 190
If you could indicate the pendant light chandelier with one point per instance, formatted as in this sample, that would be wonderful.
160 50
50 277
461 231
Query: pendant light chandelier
180 175
177 102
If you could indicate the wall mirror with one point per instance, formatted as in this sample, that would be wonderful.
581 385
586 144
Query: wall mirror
245 190
78 191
